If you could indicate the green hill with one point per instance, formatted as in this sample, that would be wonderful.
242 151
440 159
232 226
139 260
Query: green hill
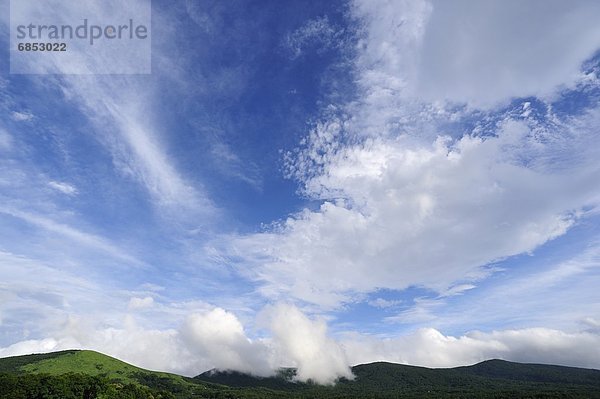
88 374
95 364
85 362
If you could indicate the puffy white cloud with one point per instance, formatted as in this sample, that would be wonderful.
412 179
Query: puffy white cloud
219 336
398 213
37 346
305 343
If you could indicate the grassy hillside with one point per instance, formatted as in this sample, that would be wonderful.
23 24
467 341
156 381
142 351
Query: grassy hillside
14 364
85 362
96 364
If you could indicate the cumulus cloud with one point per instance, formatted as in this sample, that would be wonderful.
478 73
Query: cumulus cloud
219 336
396 213
305 343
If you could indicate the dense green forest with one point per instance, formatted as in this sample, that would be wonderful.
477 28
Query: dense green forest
91 375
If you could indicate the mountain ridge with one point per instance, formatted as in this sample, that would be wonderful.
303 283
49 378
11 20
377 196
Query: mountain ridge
490 378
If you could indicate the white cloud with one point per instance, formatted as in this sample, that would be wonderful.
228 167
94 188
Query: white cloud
78 236
404 206
479 53
136 146
37 346
21 116
486 52
63 187
317 34
229 163
398 213
305 343
458 289
384 303
423 311
136 303
219 336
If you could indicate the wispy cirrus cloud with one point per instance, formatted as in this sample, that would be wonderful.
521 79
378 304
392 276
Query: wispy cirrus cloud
118 115
317 34
6 140
122 111
77 236
63 187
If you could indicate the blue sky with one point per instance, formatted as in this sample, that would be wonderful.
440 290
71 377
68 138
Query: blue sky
316 184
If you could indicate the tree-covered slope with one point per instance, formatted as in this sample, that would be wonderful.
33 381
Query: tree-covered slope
487 379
